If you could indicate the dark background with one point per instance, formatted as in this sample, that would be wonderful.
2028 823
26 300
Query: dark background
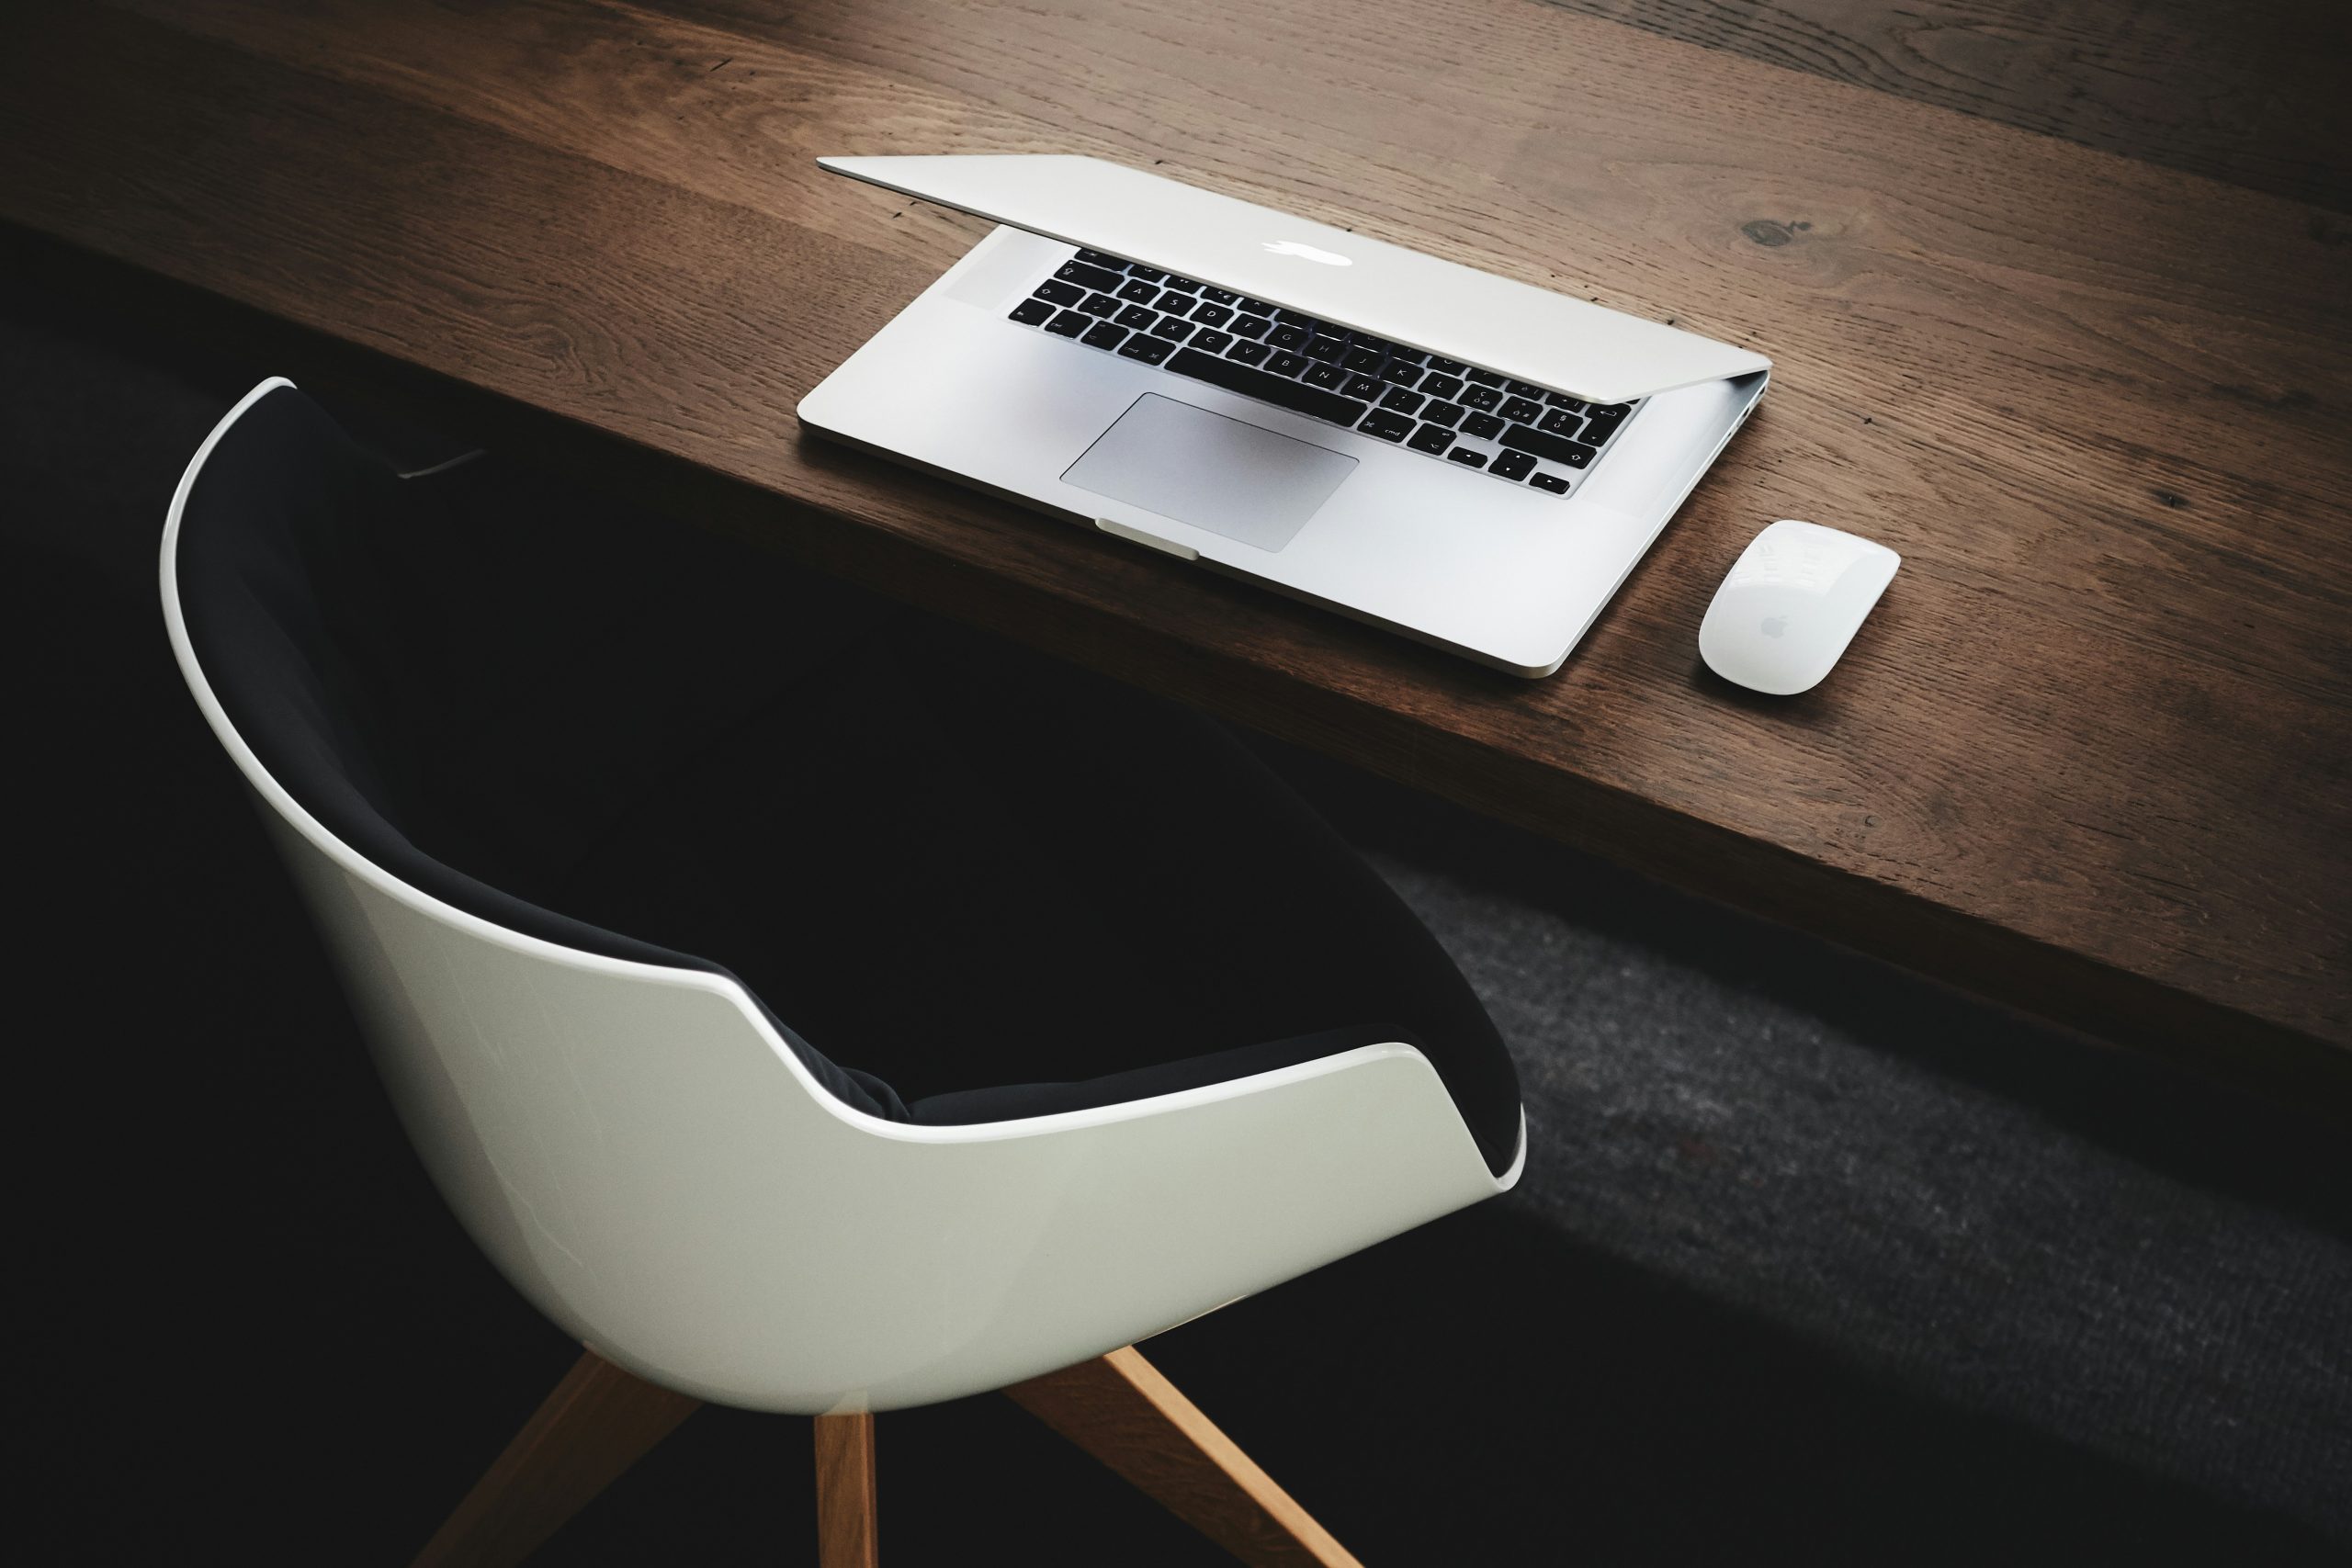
1813 1261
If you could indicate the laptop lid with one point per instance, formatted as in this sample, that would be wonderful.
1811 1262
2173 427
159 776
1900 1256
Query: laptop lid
1563 345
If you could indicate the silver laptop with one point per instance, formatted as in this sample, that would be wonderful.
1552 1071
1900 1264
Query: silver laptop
1451 455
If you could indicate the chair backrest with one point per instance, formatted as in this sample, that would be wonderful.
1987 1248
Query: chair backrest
646 1154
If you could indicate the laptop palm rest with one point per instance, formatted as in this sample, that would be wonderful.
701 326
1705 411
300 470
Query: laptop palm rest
1217 473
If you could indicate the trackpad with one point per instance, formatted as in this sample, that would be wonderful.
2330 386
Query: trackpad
1216 473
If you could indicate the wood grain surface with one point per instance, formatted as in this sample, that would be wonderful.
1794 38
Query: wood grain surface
2089 756
848 1504
598 1422
2253 94
1120 1409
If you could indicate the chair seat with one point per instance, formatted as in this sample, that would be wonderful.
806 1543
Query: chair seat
970 884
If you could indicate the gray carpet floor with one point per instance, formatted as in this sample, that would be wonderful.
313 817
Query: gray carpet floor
1813 1261
1814 1155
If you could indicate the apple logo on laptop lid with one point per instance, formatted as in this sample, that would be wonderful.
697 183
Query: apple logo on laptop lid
1307 253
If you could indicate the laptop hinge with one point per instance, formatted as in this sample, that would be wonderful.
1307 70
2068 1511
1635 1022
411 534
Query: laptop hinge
1166 547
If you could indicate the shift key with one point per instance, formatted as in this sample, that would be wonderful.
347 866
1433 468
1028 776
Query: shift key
1558 448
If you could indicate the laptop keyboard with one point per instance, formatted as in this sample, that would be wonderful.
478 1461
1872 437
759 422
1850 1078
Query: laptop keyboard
1448 411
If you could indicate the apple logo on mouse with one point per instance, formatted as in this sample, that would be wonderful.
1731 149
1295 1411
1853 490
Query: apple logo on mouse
1305 252
1775 625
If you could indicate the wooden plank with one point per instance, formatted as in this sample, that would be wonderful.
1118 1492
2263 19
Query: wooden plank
2087 759
1120 1409
2252 95
599 1421
848 1513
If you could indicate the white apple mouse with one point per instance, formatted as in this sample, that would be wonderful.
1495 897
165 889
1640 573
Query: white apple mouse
1790 606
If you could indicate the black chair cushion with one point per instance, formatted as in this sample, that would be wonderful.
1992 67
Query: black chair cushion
998 886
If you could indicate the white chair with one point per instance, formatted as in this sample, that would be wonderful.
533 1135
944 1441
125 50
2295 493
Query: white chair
683 1185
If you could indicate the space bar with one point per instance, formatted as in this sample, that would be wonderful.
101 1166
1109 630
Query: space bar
1273 388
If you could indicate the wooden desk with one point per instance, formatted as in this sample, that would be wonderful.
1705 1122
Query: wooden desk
2077 350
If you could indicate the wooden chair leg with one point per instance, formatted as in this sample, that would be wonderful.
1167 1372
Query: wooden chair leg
1118 1408
598 1422
846 1521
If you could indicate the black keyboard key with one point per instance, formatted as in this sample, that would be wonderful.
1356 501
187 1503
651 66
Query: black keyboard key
1100 278
1522 411
1484 378
1444 413
1560 422
1174 301
1562 400
1409 356
1326 349
1070 323
1438 384
1033 313
1144 346
1183 284
1174 328
1219 296
1208 339
1527 389
1248 352
1329 376
1101 307
1289 334
1447 367
1388 426
1059 293
1468 456
1484 426
1212 315
1285 363
1096 258
1140 292
1134 318
1602 423
1148 274
1103 334
1257 307
1296 318
1511 465
1571 454
1556 483
1312 401
1431 438
1361 358
1402 400
1399 373
1248 326
1365 386
1480 397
